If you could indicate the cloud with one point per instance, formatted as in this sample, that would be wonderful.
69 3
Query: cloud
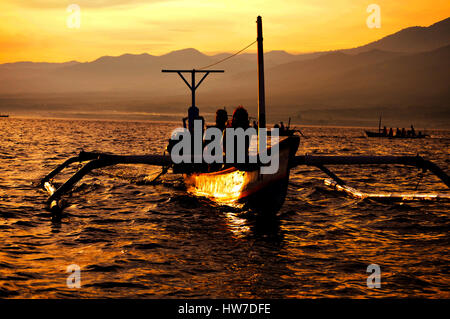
56 4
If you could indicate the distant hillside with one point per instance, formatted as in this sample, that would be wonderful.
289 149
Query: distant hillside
367 79
408 69
128 72
339 80
413 39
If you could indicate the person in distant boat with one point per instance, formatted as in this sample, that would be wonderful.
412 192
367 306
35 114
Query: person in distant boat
385 131
398 133
413 132
391 132
403 132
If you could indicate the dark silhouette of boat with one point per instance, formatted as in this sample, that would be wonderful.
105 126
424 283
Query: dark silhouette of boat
381 134
4 115
244 184
399 134
374 134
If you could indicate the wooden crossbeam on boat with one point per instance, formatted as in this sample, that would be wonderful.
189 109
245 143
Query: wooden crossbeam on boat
193 86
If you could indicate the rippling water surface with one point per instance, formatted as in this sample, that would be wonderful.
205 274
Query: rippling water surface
155 241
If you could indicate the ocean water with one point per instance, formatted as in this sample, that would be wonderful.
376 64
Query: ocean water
156 241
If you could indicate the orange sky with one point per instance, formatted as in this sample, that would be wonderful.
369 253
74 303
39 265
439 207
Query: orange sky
36 30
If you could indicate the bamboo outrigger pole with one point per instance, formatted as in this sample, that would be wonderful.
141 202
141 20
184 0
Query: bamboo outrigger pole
417 161
340 185
94 161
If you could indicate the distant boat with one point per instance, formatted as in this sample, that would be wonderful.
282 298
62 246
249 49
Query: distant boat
378 134
4 115
381 133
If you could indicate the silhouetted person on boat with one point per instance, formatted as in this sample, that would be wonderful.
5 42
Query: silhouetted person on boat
221 119
398 133
385 133
193 114
240 119
282 128
403 132
221 122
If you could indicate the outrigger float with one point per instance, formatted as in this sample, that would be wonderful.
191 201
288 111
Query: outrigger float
241 183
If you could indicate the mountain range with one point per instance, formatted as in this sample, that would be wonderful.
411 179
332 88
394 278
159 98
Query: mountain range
403 74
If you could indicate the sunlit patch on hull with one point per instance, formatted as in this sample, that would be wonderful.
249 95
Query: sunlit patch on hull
235 187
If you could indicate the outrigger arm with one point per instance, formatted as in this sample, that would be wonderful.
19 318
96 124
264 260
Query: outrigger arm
417 161
94 161
340 185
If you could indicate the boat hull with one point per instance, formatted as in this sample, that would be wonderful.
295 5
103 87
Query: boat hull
247 188
376 134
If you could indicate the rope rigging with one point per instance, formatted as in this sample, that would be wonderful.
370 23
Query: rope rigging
228 57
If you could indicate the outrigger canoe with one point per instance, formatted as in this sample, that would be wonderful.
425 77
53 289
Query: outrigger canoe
240 184
380 134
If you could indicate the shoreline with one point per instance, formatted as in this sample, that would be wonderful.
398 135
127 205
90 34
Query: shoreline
172 118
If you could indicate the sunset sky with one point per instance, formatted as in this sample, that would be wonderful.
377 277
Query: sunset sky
36 30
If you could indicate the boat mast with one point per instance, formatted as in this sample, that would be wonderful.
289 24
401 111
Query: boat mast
261 93
379 125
